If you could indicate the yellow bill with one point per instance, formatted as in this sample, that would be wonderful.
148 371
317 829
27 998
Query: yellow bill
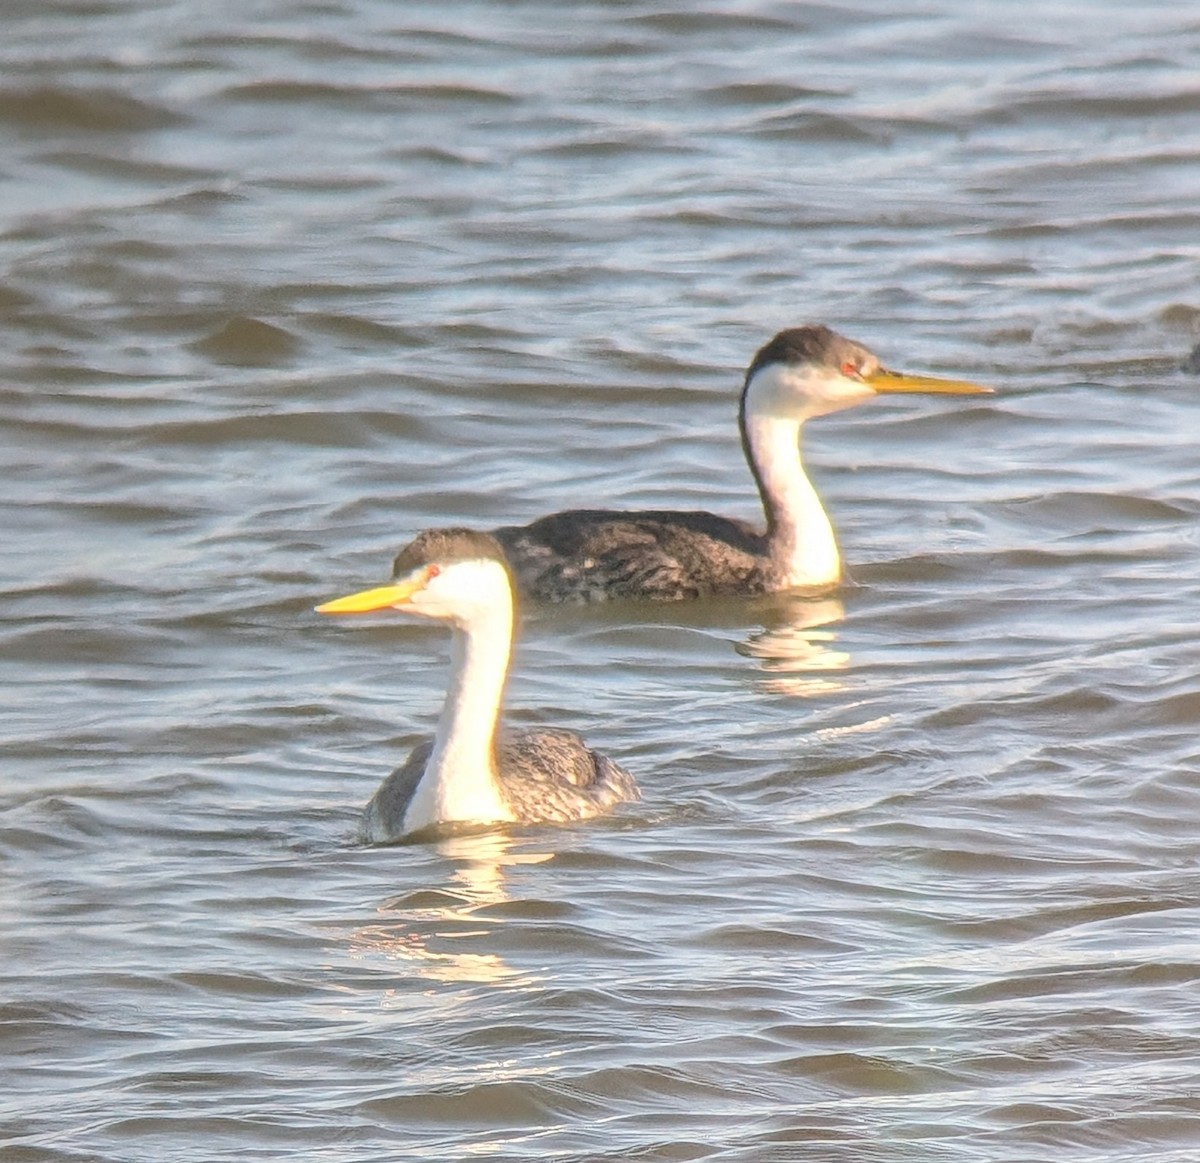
367 601
883 380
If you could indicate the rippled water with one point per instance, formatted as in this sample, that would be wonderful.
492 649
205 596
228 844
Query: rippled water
915 874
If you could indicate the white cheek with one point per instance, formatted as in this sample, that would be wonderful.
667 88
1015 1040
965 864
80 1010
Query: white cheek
845 393
464 591
800 393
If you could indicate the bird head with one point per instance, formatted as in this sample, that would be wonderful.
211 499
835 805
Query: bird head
812 371
454 575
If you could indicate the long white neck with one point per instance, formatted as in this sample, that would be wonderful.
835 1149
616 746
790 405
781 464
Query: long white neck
800 536
460 781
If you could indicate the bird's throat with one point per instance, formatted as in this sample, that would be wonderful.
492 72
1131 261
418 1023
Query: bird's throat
800 536
460 783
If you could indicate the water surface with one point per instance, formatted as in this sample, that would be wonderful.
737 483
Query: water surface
914 875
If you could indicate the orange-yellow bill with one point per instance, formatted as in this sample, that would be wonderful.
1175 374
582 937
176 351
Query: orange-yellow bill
367 601
883 380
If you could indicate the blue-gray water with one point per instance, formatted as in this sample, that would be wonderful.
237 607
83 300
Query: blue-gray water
915 872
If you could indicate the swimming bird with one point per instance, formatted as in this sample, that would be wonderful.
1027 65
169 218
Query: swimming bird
589 555
470 773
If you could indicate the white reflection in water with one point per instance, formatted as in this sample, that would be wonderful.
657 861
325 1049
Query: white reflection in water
798 650
422 932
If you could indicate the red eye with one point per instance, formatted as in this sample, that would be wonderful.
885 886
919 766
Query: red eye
432 571
850 369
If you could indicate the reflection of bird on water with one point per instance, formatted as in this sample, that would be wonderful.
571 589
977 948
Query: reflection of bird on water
586 555
440 933
467 773
797 648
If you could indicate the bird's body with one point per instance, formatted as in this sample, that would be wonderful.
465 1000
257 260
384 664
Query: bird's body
587 555
543 775
472 772
591 555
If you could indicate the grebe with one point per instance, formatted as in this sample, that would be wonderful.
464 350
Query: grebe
469 773
588 555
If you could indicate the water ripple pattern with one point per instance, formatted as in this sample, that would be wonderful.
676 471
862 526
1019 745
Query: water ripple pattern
915 872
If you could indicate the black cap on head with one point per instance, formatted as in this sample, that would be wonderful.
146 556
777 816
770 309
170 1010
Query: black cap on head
812 344
446 546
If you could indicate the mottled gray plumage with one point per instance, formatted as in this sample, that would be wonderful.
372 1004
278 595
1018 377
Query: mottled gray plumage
546 775
590 555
